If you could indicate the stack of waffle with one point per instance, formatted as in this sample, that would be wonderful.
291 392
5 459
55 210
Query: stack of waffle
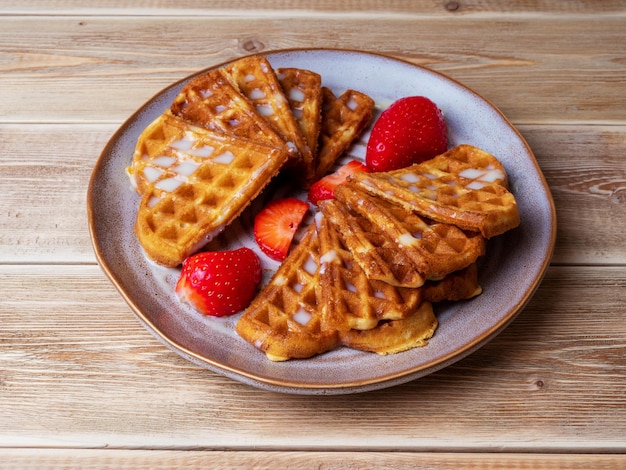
380 254
367 272
225 136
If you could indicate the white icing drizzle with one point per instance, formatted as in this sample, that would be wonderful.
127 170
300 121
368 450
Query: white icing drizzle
475 185
310 266
302 316
296 94
406 239
410 177
225 158
164 161
256 94
202 152
187 168
280 281
168 184
492 176
265 110
488 175
471 173
182 144
152 174
329 257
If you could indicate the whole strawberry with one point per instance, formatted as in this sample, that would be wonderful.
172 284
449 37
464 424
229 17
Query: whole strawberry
219 283
410 131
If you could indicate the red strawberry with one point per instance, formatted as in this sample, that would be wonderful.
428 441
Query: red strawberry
325 187
219 283
410 131
276 224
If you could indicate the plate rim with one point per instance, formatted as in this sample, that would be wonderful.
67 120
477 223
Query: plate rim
261 380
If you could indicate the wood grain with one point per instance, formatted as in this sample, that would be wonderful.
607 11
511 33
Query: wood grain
129 59
248 7
560 365
52 459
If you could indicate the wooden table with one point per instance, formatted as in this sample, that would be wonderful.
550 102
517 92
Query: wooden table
82 383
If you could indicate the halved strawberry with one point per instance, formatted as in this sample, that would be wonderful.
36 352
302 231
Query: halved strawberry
219 283
276 225
324 188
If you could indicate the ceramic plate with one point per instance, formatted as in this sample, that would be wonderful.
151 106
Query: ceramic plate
509 273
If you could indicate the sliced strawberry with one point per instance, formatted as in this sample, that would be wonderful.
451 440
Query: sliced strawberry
324 188
409 131
276 225
219 283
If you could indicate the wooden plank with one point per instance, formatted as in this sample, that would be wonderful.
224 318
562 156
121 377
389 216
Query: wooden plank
45 171
93 69
54 459
86 374
44 174
107 7
586 171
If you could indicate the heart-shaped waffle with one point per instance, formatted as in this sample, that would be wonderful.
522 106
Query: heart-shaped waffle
465 186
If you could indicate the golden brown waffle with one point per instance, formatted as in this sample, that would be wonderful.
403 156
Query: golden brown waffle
212 101
303 89
395 336
459 285
256 80
465 186
375 253
349 299
319 298
285 320
343 120
390 337
433 248
167 148
204 181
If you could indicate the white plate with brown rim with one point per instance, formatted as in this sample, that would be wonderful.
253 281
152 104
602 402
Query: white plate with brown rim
510 272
